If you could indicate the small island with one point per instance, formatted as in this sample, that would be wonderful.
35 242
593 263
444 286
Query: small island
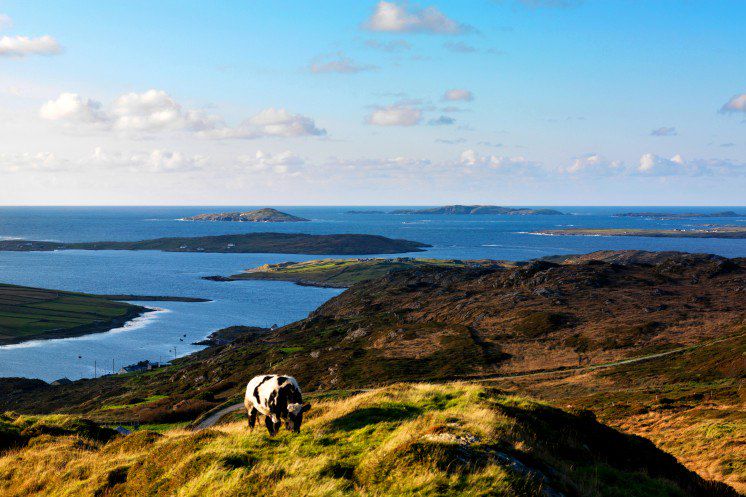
364 212
717 232
481 209
685 215
342 273
257 216
249 243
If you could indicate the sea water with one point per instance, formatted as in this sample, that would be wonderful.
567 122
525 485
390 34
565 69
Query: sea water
170 330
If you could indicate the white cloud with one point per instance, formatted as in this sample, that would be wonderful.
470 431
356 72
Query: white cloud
337 63
21 46
280 163
155 110
31 162
396 18
5 21
72 107
395 115
594 164
513 165
153 161
457 94
735 104
654 165
664 131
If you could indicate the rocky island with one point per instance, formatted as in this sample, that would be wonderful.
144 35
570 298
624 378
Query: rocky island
717 232
256 216
480 209
278 243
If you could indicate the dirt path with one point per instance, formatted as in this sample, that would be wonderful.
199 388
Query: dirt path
215 417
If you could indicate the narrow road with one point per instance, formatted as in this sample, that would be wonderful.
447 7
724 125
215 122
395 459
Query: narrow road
215 417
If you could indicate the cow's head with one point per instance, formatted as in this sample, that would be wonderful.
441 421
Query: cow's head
295 415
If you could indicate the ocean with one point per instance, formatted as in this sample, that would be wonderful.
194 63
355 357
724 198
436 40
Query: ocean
169 332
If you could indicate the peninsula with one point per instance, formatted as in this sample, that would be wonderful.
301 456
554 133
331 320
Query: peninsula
278 243
342 273
256 216
719 232
480 209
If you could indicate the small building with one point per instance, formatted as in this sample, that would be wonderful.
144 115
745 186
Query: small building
139 366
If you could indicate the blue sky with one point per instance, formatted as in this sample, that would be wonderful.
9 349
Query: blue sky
533 102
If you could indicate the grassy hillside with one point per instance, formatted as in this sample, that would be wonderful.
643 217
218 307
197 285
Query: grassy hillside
342 273
452 439
35 313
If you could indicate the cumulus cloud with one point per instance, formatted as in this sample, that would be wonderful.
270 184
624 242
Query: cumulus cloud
664 131
457 94
655 165
388 46
156 110
72 107
395 115
512 165
280 163
736 104
153 161
31 162
337 63
396 17
21 46
594 164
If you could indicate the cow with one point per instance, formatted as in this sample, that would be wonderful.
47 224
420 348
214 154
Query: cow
278 398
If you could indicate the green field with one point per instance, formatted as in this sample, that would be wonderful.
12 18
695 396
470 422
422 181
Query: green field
35 313
341 273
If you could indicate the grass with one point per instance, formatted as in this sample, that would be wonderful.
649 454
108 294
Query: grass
345 272
32 313
451 439
148 400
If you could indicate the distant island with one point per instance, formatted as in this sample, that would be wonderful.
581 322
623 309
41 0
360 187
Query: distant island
257 216
365 212
686 215
719 232
480 209
278 243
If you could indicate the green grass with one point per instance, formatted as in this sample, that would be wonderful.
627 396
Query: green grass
411 440
148 400
29 313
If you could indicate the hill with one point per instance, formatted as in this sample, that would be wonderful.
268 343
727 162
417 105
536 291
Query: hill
480 209
451 439
256 216
342 273
279 243
653 347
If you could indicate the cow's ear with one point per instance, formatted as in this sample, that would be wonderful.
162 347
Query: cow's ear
305 407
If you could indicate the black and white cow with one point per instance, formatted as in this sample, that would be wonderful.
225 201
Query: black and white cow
278 398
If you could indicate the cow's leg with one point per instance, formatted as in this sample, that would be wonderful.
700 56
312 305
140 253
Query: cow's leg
252 417
270 425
